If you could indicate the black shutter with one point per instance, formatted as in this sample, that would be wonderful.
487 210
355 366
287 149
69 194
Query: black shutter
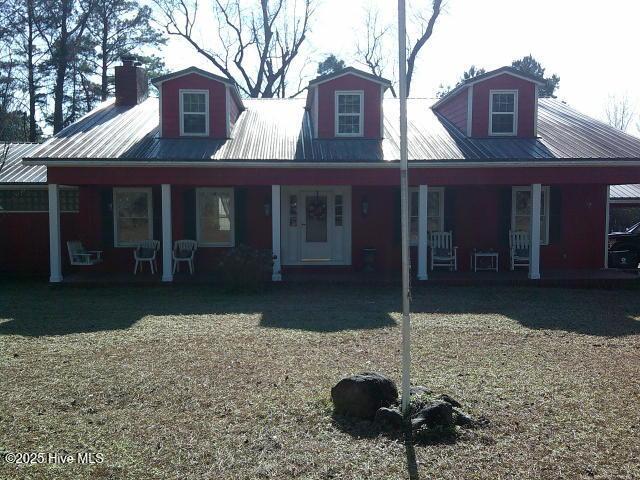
189 204
156 198
240 215
505 216
449 209
106 213
555 215
397 216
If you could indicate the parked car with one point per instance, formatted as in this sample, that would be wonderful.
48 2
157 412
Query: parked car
624 248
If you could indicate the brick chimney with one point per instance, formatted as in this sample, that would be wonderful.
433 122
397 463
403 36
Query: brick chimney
132 86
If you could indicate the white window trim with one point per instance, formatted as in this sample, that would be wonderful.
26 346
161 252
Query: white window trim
546 191
149 194
232 241
337 115
515 113
440 192
17 186
206 112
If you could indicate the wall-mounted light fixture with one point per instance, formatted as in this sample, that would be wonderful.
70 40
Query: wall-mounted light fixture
267 207
364 206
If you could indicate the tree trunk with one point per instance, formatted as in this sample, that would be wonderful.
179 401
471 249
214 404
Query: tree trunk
31 86
104 86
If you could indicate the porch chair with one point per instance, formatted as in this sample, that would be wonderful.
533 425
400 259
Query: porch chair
519 248
146 251
184 251
78 255
443 253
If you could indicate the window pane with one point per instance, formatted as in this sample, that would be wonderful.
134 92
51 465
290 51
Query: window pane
194 123
132 204
24 200
433 204
414 204
502 123
503 102
132 230
349 124
215 216
523 202
316 217
348 103
69 200
193 102
433 224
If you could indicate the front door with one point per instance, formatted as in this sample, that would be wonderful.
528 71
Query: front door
315 238
316 225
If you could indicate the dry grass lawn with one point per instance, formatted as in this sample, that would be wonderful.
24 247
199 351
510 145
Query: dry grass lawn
188 383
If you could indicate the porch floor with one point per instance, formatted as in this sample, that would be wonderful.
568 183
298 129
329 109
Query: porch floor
571 278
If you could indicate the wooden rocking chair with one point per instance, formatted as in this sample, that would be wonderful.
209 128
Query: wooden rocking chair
519 249
443 253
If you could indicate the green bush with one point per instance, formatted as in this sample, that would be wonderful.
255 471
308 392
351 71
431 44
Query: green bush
246 269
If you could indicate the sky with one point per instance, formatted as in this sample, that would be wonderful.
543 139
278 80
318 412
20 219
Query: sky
590 44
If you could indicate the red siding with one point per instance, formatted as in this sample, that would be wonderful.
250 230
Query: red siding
326 104
455 110
526 104
234 111
171 104
329 176
24 243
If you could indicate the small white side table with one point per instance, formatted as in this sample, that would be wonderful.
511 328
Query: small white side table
493 259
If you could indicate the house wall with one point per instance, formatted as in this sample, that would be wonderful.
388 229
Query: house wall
171 104
372 105
526 104
455 110
24 242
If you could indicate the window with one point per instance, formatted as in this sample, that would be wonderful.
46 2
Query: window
194 112
215 217
521 212
435 211
503 112
133 219
338 213
34 200
349 116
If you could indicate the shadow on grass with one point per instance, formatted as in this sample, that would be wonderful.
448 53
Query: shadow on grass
35 309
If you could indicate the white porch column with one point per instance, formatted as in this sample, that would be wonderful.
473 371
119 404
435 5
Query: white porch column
55 261
422 232
275 232
534 247
167 241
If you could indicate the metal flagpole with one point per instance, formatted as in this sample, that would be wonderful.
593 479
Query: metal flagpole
404 199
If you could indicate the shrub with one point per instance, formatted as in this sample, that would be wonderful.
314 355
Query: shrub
246 269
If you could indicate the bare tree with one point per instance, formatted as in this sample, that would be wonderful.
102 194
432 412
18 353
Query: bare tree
426 26
257 41
619 111
372 52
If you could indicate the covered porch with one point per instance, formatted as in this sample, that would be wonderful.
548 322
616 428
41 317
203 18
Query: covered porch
356 229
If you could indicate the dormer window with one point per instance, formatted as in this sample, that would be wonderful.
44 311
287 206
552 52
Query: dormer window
349 113
503 112
194 112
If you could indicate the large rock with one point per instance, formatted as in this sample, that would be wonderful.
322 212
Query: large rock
436 414
363 394
389 418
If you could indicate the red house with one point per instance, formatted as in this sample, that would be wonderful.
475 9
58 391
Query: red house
316 180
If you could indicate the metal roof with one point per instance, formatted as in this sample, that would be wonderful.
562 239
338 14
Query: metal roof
14 171
280 130
624 192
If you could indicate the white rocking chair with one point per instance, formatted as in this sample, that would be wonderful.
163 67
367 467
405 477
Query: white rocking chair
519 248
146 251
184 251
443 253
78 255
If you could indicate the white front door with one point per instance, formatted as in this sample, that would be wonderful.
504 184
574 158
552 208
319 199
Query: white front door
316 226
